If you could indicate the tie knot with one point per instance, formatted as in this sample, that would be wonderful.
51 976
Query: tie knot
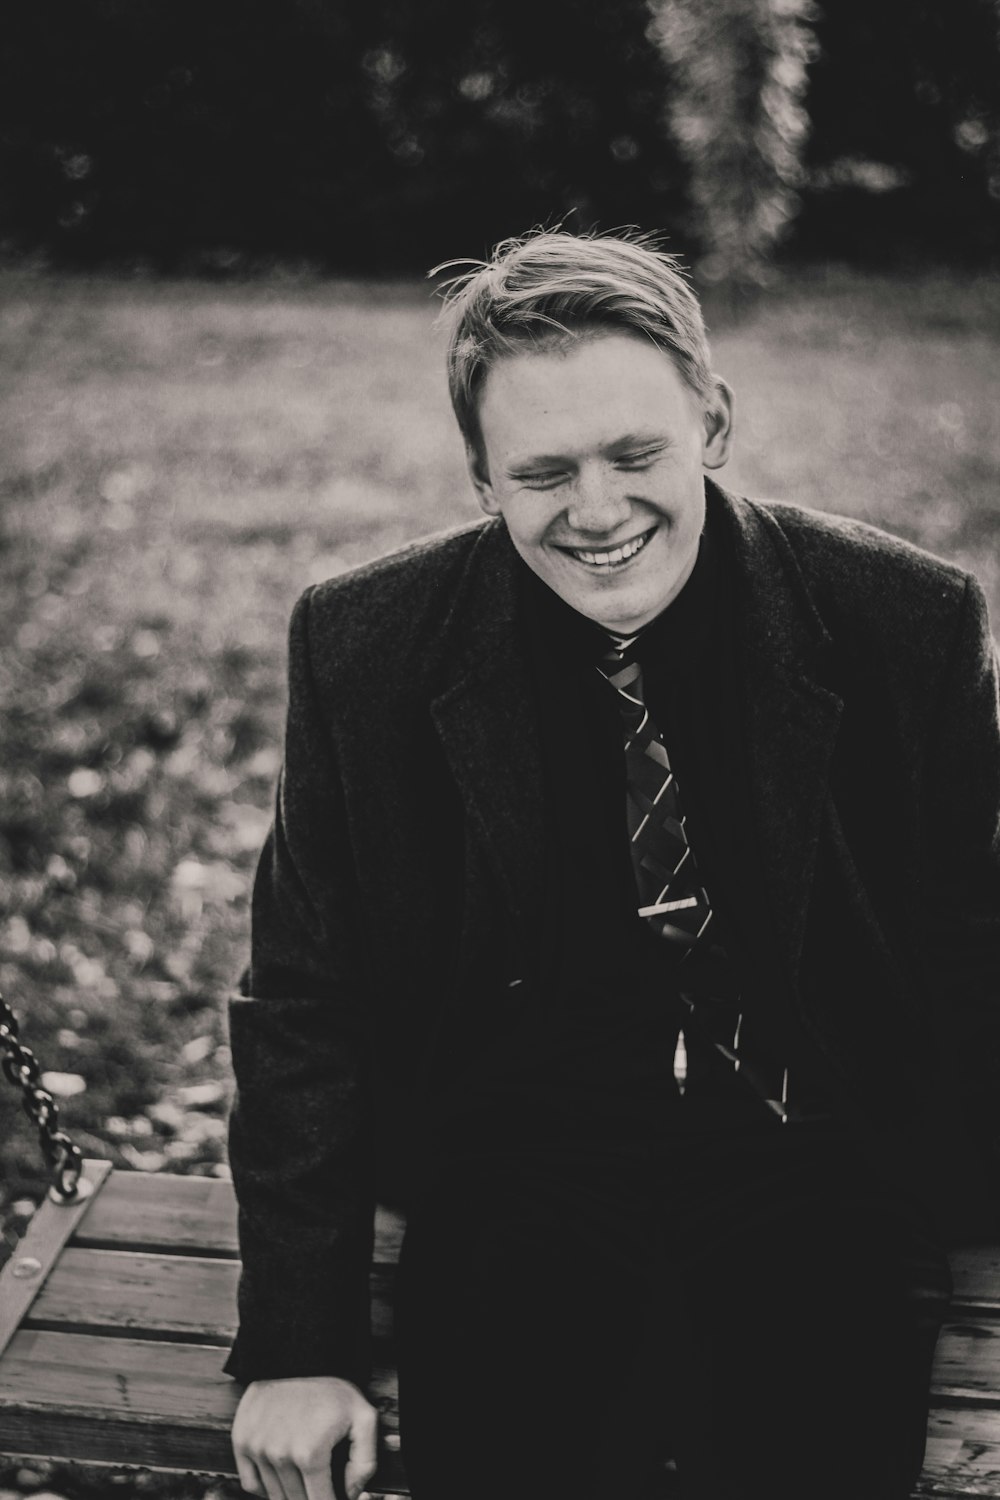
625 676
621 671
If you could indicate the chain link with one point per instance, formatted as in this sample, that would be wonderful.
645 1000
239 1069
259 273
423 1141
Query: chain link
20 1065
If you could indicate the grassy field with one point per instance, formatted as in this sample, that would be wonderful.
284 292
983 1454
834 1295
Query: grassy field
178 462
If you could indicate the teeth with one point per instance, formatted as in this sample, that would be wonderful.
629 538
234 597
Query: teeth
607 559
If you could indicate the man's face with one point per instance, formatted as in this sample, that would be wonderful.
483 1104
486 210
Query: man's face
593 456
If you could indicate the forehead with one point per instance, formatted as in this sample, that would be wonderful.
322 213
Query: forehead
603 382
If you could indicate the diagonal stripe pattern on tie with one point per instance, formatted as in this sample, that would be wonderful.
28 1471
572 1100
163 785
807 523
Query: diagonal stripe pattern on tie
671 897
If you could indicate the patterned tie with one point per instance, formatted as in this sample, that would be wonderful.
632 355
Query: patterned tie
672 898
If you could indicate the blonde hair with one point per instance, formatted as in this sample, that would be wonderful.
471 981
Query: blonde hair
551 288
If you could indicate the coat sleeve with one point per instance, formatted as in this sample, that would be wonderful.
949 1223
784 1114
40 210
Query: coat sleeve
301 1125
961 878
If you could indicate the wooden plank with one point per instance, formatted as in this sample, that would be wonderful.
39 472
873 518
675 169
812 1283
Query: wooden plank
969 1424
967 1365
963 1454
976 1273
25 1274
147 1296
136 1403
126 1377
161 1212
167 1449
390 1226
178 1297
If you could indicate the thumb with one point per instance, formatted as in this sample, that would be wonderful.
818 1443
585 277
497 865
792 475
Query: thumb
362 1461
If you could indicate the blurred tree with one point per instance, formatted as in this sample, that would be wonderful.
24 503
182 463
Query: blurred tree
735 107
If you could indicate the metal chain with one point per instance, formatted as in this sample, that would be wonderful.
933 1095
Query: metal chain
64 1157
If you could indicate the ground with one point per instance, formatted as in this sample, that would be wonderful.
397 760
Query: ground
178 461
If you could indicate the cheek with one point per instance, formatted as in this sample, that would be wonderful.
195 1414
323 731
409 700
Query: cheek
689 497
529 520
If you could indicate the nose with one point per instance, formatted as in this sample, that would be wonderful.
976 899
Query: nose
597 503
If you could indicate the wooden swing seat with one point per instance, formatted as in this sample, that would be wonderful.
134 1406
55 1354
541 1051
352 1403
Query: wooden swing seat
115 1313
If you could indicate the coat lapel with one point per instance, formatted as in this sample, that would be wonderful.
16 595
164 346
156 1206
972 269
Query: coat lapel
484 719
791 716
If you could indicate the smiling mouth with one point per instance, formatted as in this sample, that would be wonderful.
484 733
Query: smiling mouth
615 558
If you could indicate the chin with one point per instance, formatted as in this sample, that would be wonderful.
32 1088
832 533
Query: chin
627 615
620 621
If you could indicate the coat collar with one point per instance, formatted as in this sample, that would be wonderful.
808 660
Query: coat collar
791 715
484 719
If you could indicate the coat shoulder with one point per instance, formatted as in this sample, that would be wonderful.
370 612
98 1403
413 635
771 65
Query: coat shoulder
406 573
857 572
388 609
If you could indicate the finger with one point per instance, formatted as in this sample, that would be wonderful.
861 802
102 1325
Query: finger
272 1480
364 1451
250 1480
291 1478
318 1482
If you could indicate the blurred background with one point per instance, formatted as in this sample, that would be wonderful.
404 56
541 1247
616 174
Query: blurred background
375 136
220 381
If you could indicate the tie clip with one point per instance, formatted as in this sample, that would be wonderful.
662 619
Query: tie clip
662 907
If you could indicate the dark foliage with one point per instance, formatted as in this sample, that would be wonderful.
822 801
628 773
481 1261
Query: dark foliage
904 152
356 134
378 135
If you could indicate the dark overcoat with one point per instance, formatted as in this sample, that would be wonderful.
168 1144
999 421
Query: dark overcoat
399 892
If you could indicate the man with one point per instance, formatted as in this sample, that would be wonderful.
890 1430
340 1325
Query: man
632 909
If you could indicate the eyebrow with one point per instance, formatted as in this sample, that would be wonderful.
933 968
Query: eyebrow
535 461
648 439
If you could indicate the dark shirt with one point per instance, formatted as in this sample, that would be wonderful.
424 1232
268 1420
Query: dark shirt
604 1010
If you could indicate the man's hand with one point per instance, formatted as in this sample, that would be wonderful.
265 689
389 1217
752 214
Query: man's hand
286 1430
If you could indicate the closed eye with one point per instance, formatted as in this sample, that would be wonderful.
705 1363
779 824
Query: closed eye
546 479
640 459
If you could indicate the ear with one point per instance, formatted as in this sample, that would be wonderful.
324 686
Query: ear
475 458
718 426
